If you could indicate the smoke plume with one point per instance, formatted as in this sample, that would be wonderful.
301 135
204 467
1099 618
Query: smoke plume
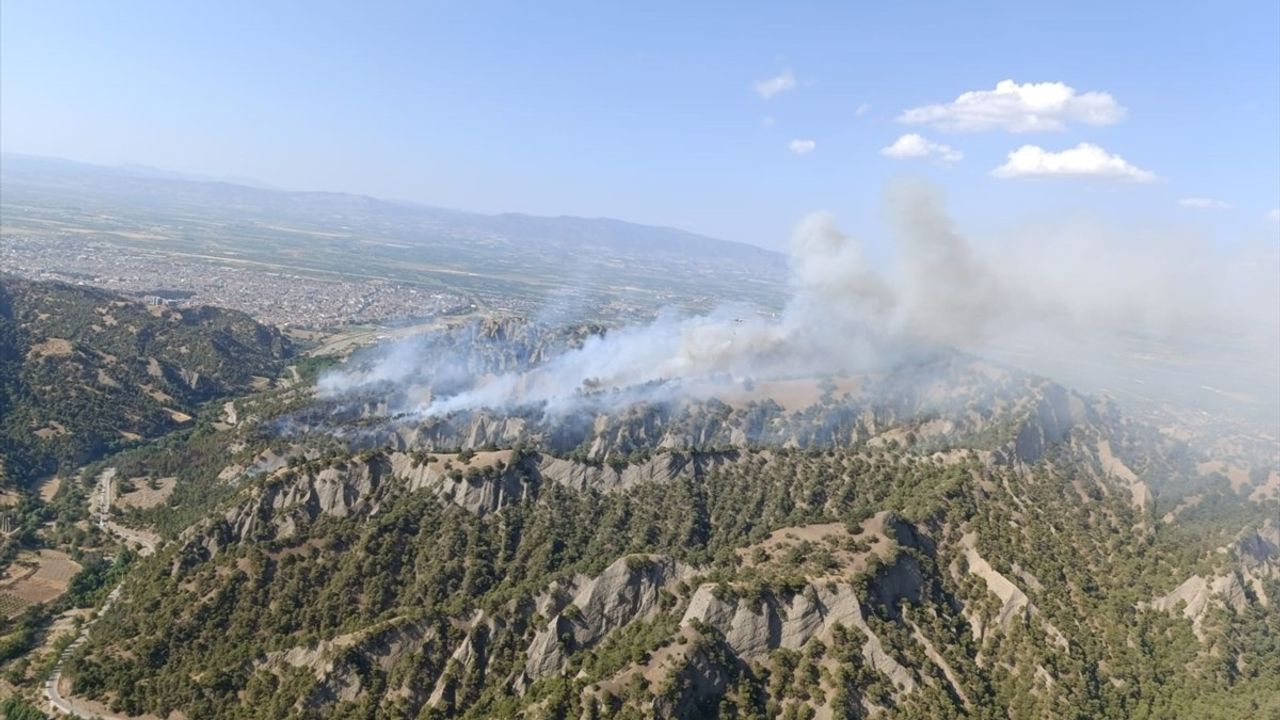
1096 311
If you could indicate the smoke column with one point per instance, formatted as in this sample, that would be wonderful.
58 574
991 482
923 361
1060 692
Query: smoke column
1031 303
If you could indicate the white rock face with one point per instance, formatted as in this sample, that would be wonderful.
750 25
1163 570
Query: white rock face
353 488
1257 556
229 414
337 678
662 468
1139 492
469 654
487 494
628 590
477 495
1015 602
1199 593
752 629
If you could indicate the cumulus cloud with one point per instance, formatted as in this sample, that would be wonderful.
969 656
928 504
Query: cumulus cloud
912 145
774 85
1204 203
1030 107
863 109
802 147
1085 160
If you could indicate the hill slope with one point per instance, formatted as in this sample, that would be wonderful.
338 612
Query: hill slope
980 544
83 371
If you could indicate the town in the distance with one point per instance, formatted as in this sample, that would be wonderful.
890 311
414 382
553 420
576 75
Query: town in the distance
817 361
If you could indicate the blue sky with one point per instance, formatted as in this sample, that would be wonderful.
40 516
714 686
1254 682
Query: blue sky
650 111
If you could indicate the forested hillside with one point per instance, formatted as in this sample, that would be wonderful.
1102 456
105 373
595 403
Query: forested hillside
83 371
1018 551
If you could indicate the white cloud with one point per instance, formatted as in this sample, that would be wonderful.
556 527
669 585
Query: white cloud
802 147
863 109
912 145
1274 215
1084 160
1204 204
774 85
1029 107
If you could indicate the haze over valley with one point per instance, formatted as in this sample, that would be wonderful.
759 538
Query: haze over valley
957 397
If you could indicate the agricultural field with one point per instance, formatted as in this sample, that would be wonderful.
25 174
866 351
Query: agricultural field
339 258
35 577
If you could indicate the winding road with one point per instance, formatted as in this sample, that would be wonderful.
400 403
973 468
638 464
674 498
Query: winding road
70 705
100 502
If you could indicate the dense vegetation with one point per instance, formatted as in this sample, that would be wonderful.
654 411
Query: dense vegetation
83 372
322 563
425 569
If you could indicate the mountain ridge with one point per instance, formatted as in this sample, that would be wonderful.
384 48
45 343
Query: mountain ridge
998 552
53 171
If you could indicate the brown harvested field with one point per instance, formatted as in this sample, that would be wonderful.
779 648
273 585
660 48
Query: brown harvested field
480 460
1237 476
1270 488
52 430
791 395
50 487
159 396
848 553
48 580
53 347
143 496
10 605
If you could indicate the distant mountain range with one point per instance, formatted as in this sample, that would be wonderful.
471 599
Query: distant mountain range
339 232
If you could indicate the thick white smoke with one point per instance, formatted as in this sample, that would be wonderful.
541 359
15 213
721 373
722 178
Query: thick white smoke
1102 313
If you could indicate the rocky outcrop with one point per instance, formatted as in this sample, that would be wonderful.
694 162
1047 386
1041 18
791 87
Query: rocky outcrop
699 678
230 414
935 400
1113 467
485 489
341 665
752 627
587 610
468 659
1051 418
1258 550
661 468
1256 557
478 431
289 498
1257 553
280 505
477 488
1015 603
1197 594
